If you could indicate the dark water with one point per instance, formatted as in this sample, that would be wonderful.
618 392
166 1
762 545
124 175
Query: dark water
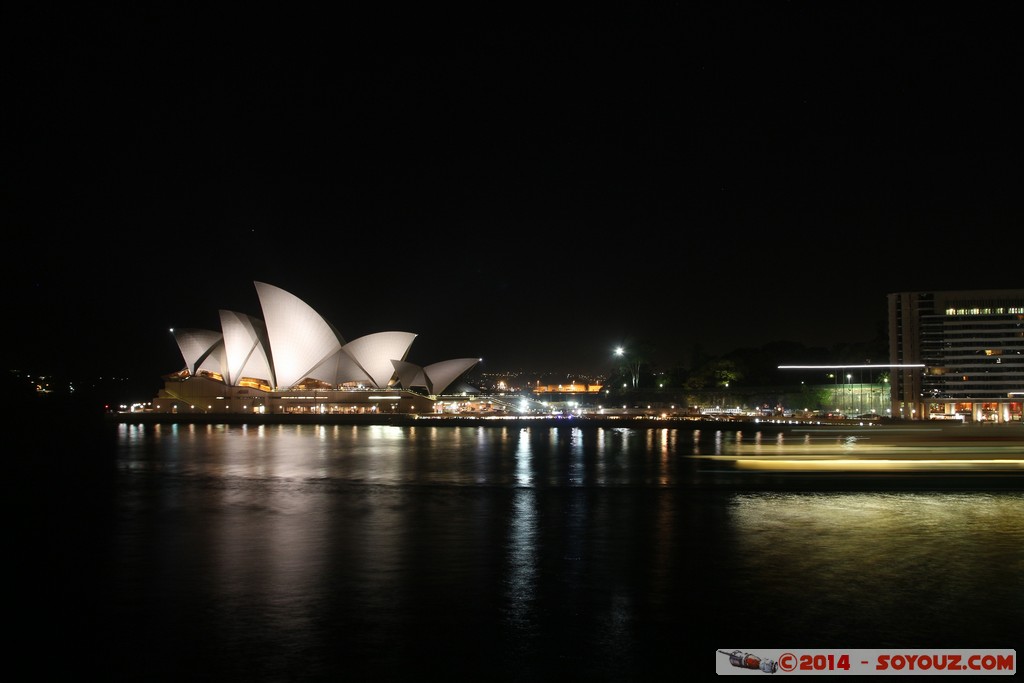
480 553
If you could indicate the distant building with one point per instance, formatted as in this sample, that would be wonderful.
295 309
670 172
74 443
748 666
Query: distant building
971 344
568 388
294 361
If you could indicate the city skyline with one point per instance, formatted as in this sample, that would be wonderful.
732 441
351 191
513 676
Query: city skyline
532 195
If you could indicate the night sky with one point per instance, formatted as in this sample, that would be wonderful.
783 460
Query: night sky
531 189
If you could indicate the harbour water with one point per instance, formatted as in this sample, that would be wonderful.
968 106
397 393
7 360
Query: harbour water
374 552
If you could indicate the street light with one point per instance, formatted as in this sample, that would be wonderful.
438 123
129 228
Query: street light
633 365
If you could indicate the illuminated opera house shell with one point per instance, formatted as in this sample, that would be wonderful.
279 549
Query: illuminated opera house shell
294 346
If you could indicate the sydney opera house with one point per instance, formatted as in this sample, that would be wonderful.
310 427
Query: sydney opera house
294 362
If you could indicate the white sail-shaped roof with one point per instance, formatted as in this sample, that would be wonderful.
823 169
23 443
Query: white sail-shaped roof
294 342
410 375
216 361
201 349
440 375
245 345
374 353
340 368
300 339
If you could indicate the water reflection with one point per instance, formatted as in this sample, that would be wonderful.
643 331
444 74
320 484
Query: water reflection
574 456
271 550
896 565
870 453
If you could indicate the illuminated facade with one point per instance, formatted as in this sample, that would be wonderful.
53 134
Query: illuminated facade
971 344
295 361
568 388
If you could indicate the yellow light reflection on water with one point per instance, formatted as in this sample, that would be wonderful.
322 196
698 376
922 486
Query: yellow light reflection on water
875 464
864 455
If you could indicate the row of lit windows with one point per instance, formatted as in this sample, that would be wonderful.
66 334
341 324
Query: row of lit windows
1000 310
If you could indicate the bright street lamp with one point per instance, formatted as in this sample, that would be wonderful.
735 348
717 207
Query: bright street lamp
633 365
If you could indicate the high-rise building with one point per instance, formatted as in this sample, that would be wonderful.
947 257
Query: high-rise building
971 344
